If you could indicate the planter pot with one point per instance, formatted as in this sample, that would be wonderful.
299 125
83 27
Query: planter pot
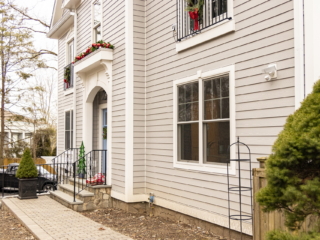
28 188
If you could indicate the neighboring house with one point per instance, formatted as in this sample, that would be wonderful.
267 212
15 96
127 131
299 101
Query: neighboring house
173 101
16 130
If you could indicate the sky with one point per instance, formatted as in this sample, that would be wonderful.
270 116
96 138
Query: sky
41 9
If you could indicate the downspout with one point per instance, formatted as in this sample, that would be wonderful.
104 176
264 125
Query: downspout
75 46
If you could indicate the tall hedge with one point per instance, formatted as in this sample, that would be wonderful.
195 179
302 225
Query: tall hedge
293 169
27 168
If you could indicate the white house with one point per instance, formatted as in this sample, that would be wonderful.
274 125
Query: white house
175 92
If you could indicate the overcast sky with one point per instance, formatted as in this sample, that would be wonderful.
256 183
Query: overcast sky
41 9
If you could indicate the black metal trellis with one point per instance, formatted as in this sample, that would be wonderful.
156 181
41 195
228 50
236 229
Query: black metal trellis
240 217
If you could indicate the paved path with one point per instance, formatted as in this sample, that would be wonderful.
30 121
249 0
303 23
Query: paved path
48 219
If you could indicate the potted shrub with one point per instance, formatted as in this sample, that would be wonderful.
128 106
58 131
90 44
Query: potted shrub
28 176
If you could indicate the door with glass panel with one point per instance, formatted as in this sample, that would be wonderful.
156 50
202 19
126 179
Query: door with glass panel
104 140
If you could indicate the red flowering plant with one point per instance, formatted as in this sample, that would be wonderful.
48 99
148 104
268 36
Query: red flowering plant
92 48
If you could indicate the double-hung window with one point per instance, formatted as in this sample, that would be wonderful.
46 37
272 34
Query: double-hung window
68 70
68 129
204 121
97 21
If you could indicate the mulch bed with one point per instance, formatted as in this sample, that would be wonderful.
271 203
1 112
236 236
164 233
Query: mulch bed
11 228
143 227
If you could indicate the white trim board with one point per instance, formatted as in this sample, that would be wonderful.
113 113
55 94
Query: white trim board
199 76
129 100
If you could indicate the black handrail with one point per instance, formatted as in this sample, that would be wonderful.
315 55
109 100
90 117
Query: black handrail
92 160
62 163
191 23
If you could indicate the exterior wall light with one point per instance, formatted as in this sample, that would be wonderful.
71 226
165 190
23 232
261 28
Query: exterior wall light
271 72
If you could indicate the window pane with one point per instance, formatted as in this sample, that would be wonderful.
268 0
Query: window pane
225 86
182 113
71 139
67 124
98 33
71 52
188 99
225 108
71 120
194 111
189 141
217 141
97 12
67 139
216 96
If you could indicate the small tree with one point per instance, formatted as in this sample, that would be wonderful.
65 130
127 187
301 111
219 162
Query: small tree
82 161
293 169
27 168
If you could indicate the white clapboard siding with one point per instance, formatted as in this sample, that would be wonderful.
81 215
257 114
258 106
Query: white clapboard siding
264 34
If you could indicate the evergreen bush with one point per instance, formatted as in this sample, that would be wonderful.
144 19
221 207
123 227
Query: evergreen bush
27 168
293 169
280 235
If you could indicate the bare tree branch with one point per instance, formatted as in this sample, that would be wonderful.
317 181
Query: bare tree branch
28 16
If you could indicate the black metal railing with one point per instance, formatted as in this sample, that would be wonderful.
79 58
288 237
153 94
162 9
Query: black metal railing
63 163
90 170
48 175
211 12
68 81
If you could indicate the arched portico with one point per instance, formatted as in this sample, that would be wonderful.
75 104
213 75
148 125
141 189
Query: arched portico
95 72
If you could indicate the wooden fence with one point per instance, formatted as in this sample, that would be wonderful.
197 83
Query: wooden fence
264 222
49 168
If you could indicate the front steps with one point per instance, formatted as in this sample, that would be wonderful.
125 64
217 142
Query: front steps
93 197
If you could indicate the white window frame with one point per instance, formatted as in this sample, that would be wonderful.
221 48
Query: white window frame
201 166
64 131
68 41
94 26
212 32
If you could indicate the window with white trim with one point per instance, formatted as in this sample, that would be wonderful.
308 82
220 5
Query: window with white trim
216 127
68 129
204 121
97 21
70 51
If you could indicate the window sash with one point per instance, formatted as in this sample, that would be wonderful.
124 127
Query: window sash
68 129
202 124
70 52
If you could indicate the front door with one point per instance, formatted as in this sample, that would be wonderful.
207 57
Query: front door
104 139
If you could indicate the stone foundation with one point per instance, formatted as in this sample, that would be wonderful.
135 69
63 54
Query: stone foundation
176 216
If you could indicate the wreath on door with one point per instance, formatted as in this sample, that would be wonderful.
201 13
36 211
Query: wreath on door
105 133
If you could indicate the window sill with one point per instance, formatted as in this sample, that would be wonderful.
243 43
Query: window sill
68 91
210 168
214 32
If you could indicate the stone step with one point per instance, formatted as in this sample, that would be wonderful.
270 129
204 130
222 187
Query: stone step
70 188
67 200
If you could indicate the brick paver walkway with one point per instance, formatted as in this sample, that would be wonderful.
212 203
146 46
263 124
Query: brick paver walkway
48 219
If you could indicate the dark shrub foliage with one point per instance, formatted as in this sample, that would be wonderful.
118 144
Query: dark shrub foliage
27 168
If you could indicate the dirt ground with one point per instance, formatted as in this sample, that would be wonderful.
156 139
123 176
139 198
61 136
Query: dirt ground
11 229
143 227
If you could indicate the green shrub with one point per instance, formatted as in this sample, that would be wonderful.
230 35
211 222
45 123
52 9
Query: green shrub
293 169
280 235
27 168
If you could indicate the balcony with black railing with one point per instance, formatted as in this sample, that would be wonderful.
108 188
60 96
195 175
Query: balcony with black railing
68 76
193 16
